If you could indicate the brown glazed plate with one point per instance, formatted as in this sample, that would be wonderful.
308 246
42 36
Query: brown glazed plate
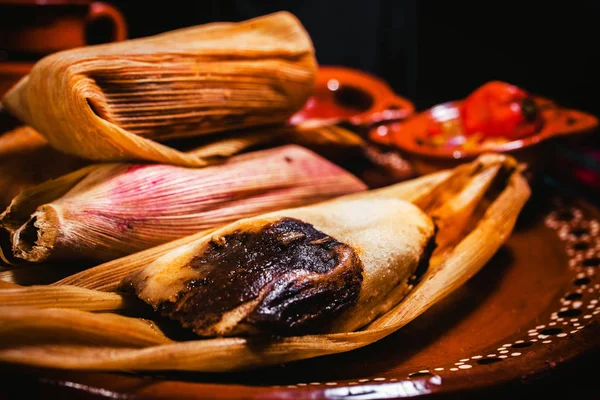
531 313
529 319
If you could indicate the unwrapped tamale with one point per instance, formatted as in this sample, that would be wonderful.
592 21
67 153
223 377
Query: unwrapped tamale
329 267
325 268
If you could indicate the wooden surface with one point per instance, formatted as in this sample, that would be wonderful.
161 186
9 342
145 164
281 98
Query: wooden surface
517 297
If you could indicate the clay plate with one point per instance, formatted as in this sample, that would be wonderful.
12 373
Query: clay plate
356 97
534 308
407 135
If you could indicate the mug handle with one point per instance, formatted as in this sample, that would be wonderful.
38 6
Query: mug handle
102 10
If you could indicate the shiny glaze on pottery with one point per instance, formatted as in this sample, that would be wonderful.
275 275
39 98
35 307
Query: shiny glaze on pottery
31 29
409 136
347 95
36 27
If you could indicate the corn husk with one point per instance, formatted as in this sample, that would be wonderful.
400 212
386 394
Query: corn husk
375 165
325 137
115 101
108 276
26 161
65 296
103 212
22 139
490 222
57 325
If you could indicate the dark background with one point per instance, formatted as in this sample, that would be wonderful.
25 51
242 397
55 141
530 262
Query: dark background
429 51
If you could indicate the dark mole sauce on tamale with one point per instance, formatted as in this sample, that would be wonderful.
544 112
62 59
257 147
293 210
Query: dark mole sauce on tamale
308 278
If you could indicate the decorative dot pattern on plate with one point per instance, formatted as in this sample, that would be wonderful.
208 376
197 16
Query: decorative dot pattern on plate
581 238
582 244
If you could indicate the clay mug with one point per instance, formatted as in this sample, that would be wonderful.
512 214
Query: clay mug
33 28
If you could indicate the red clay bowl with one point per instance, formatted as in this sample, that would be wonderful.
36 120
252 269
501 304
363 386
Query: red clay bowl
409 137
352 96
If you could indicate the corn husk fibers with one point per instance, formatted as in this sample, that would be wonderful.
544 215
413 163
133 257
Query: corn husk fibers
103 212
20 140
26 160
491 207
114 101
108 276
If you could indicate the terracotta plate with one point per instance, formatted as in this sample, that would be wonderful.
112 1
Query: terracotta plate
407 135
534 307
353 96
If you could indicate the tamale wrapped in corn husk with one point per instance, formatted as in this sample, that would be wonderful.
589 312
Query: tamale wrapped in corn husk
115 101
486 196
327 267
103 212
26 159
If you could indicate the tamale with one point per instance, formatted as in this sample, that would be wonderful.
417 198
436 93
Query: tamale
108 276
115 101
26 159
441 196
328 267
103 212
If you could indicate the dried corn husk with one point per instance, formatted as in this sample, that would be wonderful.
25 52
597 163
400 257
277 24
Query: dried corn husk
26 160
65 296
325 137
103 212
108 276
490 223
22 139
376 166
111 102
59 325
